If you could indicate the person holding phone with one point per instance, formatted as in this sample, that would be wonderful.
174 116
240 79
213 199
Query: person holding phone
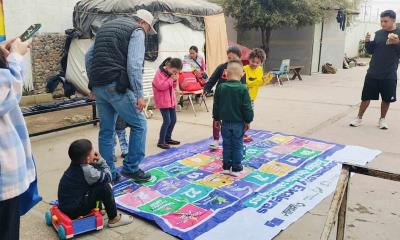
381 78
17 168
164 85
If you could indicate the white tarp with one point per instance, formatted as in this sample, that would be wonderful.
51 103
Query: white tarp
76 70
176 40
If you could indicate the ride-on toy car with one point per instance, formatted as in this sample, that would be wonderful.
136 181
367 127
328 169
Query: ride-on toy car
68 228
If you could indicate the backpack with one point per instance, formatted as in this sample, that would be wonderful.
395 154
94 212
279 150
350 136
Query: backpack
188 82
329 69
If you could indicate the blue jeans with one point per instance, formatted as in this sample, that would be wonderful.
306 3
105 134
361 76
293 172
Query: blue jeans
232 145
123 143
110 104
169 121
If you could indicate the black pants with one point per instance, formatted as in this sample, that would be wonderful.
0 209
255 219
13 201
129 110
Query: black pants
9 219
98 193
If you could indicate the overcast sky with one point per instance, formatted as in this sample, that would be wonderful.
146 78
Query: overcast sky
386 4
374 7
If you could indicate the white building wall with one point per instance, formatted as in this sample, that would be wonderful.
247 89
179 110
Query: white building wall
355 33
54 15
333 42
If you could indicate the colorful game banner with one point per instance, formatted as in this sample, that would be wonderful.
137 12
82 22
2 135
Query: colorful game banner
188 197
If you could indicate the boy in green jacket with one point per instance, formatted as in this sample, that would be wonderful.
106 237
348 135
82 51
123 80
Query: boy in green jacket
232 106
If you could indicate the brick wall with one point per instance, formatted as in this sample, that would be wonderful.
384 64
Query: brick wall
46 54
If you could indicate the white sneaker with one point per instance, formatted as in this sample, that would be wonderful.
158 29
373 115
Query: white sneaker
226 172
236 174
382 124
356 122
215 144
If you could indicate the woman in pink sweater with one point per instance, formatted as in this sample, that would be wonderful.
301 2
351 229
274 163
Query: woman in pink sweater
164 85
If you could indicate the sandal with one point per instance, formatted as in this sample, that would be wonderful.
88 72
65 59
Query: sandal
124 220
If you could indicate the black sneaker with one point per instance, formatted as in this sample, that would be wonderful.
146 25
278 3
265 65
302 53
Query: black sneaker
173 142
138 176
163 146
116 179
237 168
226 166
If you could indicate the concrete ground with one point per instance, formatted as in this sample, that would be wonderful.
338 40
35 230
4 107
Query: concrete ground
319 107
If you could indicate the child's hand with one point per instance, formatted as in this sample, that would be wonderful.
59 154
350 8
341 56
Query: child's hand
246 127
175 77
217 124
96 156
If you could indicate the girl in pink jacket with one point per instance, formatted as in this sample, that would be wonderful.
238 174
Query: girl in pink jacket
164 85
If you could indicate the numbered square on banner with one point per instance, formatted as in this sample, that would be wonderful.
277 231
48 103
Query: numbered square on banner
156 176
162 206
191 193
281 139
188 216
277 168
217 199
170 185
260 178
305 153
139 197
197 160
194 176
216 180
176 169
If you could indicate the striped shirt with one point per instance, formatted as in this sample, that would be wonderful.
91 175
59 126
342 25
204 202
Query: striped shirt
17 170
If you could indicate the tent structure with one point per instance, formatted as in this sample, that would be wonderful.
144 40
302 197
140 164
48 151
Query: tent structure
180 24
244 50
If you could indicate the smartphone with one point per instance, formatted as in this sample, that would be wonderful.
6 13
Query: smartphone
30 32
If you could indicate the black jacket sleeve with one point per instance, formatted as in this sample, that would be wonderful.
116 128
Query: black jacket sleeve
216 115
214 78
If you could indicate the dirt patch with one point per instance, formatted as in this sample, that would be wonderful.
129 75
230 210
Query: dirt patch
360 220
361 209
57 119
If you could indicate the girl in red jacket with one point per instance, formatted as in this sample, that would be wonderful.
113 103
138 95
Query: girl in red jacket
164 89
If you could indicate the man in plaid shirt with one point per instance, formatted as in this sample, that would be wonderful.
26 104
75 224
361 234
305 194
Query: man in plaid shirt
17 170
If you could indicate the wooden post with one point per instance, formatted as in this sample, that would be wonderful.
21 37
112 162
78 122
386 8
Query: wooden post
373 172
336 202
342 215
339 201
